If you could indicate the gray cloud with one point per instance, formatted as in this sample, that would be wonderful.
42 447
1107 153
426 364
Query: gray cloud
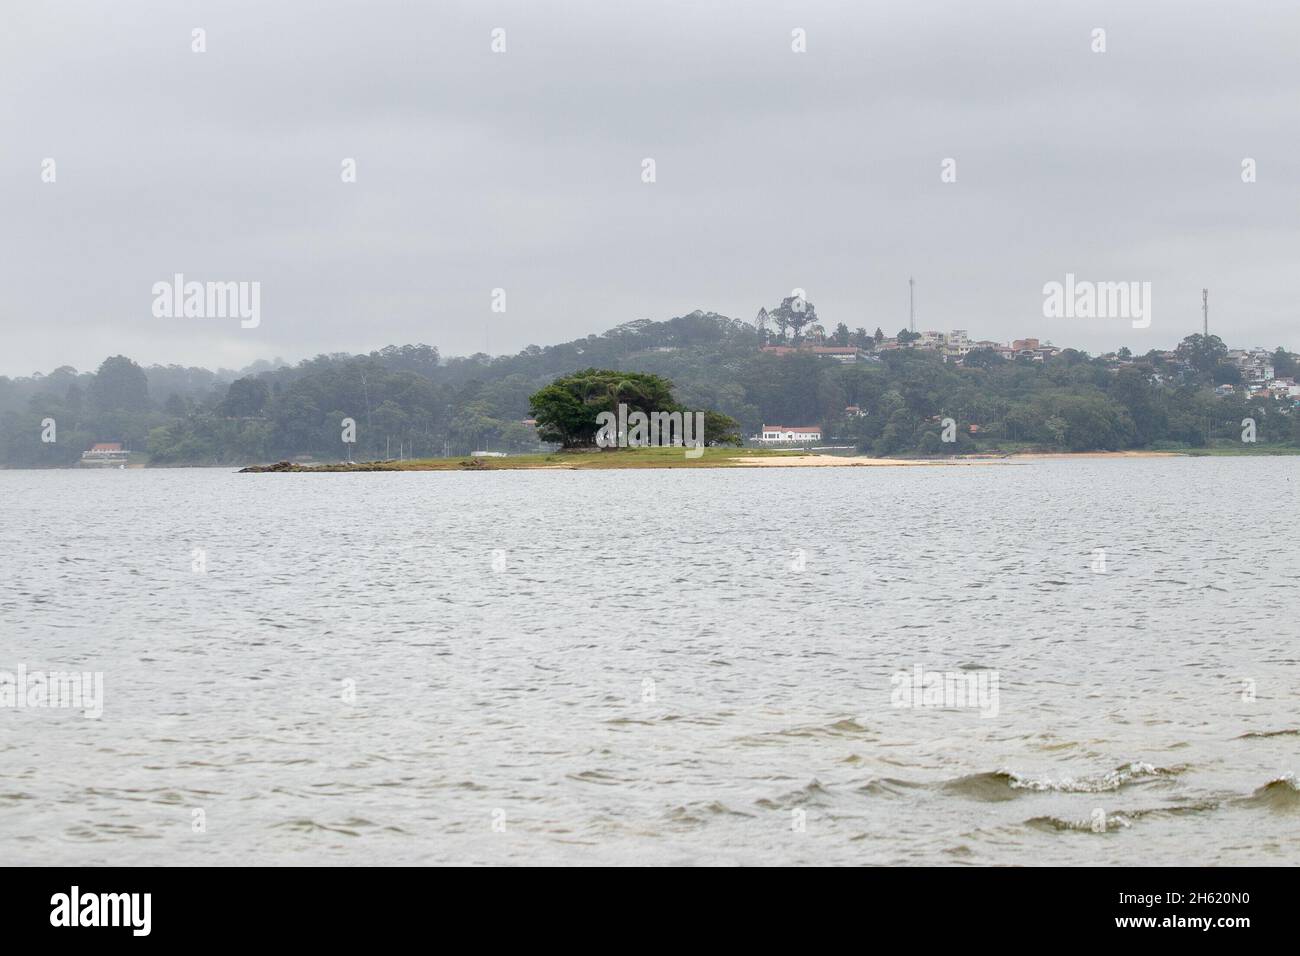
522 170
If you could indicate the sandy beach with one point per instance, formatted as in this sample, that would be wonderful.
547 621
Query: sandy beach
858 461
1034 455
847 461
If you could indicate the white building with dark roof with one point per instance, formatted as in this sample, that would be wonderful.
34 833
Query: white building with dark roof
786 434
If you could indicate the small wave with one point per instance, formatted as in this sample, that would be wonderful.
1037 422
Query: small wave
701 813
888 787
1269 733
1108 824
1117 819
989 787
598 777
307 825
1007 785
814 792
847 727
1280 794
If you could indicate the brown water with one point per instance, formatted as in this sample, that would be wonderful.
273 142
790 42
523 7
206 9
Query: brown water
657 666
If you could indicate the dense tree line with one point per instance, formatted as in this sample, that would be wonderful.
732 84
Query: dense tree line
408 400
1071 402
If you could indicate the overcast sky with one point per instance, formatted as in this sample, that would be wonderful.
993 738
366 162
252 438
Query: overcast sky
522 170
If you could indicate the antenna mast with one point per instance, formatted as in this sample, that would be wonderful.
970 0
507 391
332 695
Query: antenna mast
1205 310
911 304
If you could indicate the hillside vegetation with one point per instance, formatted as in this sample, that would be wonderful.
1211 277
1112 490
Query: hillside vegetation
408 402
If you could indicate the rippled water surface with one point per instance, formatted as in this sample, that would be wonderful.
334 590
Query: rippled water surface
656 666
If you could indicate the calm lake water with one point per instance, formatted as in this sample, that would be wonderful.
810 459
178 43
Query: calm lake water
655 667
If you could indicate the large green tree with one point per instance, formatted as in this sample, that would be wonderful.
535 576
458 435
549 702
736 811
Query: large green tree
794 312
567 410
1202 352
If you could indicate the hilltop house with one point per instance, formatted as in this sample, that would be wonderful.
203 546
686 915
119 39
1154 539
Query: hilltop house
952 345
1255 365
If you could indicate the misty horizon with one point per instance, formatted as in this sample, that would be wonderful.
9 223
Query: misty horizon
280 361
478 166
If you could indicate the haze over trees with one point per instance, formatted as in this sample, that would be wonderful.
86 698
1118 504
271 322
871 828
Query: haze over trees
409 400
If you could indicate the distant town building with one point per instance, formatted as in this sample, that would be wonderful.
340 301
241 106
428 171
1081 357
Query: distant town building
1284 388
1255 365
956 344
1032 349
953 346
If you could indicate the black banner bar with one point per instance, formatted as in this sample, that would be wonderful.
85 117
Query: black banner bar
333 906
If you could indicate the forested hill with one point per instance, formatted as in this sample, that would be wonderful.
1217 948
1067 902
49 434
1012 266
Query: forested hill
409 398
